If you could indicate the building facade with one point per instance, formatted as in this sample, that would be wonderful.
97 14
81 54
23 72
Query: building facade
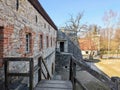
26 30
88 47
65 48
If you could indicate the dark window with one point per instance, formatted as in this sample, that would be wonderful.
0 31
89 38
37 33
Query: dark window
47 41
44 25
51 41
62 46
41 42
86 52
36 19
17 4
28 42
49 28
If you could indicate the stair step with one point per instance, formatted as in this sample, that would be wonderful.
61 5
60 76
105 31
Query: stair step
54 85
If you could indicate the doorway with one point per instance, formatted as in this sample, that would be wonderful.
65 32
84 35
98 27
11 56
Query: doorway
61 46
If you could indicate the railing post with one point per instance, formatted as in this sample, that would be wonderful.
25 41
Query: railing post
31 75
48 74
71 71
6 74
74 75
39 71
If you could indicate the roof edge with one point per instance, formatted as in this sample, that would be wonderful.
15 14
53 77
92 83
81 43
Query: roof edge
36 4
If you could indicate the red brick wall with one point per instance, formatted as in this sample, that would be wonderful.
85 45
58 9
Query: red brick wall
8 40
23 33
5 41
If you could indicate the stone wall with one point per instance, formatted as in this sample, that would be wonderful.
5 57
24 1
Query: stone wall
16 20
63 58
71 47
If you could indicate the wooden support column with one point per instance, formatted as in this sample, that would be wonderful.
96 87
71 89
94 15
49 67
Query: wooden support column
6 74
40 70
31 73
74 75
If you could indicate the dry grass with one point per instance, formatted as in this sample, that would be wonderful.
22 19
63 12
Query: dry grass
109 67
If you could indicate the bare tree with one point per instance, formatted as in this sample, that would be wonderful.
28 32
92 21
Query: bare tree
74 26
93 37
110 22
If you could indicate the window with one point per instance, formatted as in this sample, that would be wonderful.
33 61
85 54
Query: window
49 28
44 25
86 52
17 4
28 42
51 41
61 46
36 19
47 41
41 42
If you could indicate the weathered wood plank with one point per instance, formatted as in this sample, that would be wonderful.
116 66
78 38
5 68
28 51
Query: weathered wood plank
54 85
18 74
17 59
55 81
51 89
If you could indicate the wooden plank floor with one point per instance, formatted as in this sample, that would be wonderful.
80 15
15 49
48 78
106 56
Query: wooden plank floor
54 85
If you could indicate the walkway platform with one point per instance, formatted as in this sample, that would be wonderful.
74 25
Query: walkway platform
54 85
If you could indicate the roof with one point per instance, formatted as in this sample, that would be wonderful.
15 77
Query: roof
40 9
87 44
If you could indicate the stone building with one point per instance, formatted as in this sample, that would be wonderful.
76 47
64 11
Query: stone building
65 48
26 30
88 48
66 45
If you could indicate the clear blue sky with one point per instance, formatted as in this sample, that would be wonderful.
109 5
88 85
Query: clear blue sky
60 10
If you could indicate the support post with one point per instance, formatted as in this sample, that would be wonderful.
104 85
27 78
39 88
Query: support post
40 70
71 71
6 74
31 75
74 75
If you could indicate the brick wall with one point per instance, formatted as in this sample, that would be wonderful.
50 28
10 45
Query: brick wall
16 22
21 21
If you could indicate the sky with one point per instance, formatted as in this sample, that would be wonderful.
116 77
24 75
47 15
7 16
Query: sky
60 10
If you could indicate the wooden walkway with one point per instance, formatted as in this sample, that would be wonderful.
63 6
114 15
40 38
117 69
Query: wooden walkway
54 85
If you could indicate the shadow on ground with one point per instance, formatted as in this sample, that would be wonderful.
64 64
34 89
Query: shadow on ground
92 60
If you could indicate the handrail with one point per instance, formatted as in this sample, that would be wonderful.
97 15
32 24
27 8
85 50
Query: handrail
82 85
49 76
28 74
91 71
74 80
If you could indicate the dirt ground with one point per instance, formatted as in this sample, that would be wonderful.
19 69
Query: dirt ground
110 67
